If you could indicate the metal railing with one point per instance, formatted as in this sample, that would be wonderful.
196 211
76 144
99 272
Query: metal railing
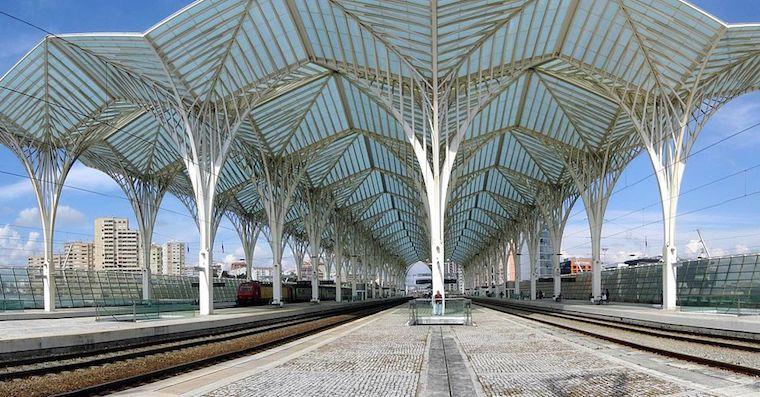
21 288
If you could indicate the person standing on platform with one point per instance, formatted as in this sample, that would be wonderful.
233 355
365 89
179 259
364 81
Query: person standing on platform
438 304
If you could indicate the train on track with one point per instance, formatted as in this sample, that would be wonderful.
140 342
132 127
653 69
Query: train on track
258 293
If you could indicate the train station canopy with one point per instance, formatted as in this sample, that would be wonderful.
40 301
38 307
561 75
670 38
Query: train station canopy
493 97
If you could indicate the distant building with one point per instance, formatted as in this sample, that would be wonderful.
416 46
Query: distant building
156 259
216 269
37 262
237 268
116 247
237 265
545 253
452 275
76 255
174 258
190 271
306 271
261 273
575 265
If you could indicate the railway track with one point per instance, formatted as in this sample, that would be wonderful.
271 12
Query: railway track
113 370
733 354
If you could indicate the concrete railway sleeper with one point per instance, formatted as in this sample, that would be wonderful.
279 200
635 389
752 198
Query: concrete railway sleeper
115 370
733 354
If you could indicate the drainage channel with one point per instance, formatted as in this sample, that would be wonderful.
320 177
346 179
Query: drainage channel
447 374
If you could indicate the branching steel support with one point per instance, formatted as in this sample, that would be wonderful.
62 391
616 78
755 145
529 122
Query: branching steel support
47 167
340 235
248 230
555 203
276 180
299 249
595 175
531 225
207 214
145 194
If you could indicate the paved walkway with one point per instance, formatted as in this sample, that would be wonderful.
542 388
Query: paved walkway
501 355
521 357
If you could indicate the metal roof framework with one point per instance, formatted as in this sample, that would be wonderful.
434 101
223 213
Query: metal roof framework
432 127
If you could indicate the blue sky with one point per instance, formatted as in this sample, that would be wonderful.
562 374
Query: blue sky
632 216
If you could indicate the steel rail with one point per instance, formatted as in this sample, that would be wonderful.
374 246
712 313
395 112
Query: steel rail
177 347
526 314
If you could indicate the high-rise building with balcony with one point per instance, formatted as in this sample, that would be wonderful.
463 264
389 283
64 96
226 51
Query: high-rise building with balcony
174 258
115 246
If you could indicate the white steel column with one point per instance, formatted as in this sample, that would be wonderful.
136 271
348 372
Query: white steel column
319 206
298 248
47 167
207 209
532 227
276 180
518 249
145 196
353 265
493 264
555 203
595 175
340 238
248 230
338 279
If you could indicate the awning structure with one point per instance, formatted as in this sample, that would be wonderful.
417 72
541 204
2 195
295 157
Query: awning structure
394 130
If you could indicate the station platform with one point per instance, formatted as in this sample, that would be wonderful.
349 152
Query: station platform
39 314
380 355
84 333
747 327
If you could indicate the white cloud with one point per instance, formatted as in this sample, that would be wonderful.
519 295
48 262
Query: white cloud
694 247
16 248
89 178
741 249
79 177
65 215
736 115
16 190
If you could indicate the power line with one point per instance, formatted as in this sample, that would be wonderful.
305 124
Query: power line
710 206
681 194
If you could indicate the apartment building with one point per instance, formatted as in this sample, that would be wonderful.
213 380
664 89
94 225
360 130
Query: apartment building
116 246
174 258
76 255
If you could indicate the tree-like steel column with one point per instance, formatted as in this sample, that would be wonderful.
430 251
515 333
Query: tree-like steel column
203 135
299 248
319 206
340 235
518 245
493 264
555 203
47 164
594 175
207 216
531 225
248 229
276 179
145 194
669 124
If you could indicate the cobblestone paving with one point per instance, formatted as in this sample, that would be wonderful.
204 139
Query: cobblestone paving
516 360
383 358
